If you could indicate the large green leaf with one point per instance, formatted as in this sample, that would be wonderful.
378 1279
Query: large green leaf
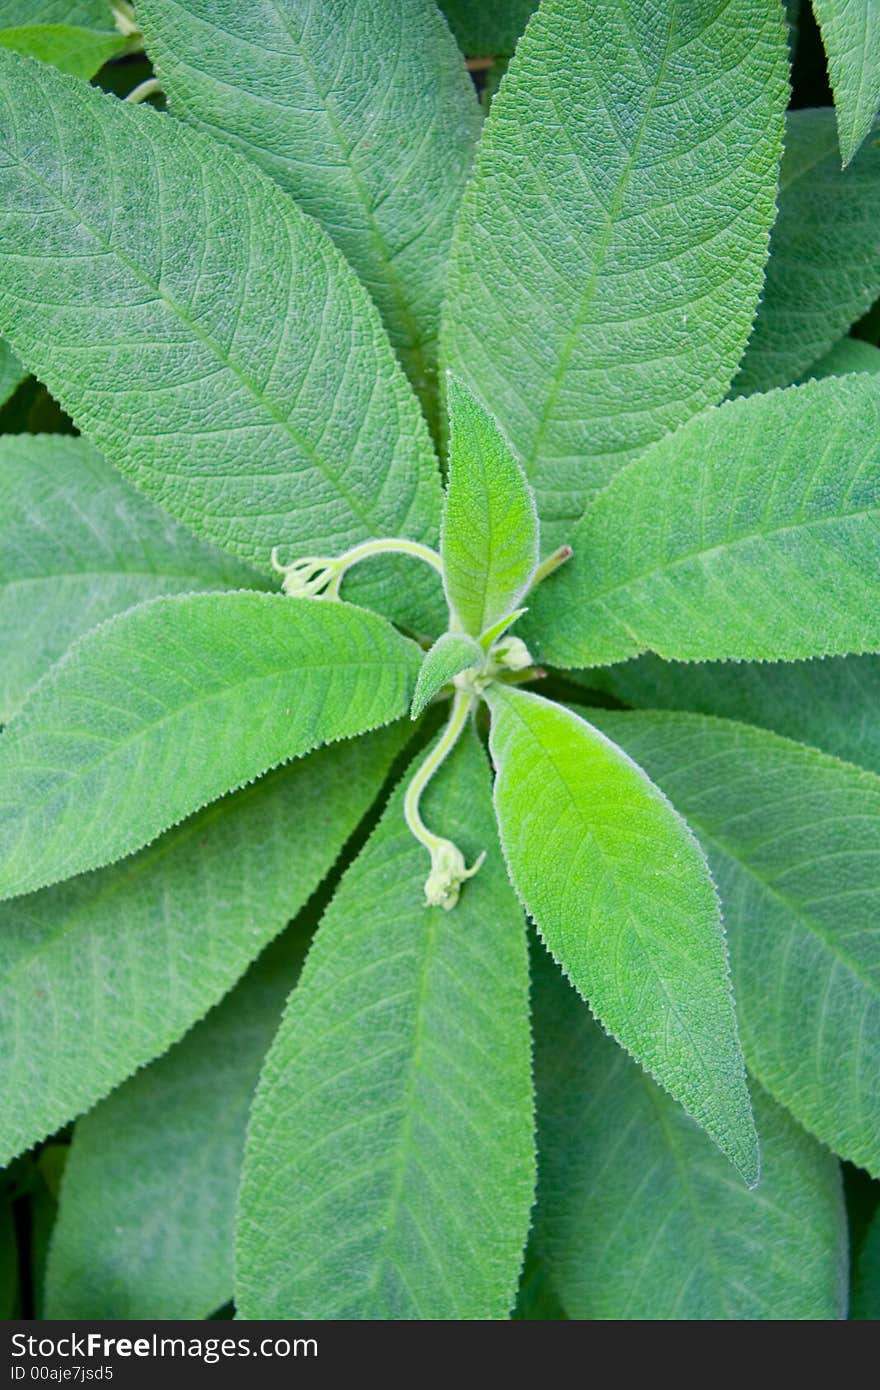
204 331
824 268
750 533
866 1277
12 373
851 35
170 705
622 896
78 544
363 114
146 1223
793 837
609 253
831 704
638 1215
102 974
85 14
390 1161
489 541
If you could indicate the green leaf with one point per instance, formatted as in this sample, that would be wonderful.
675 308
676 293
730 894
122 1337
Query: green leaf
489 541
390 1161
364 115
609 252
78 544
451 654
622 896
824 271
851 35
847 355
12 373
102 974
638 1216
80 52
170 705
793 837
751 533
866 1277
222 354
485 30
85 14
831 704
146 1223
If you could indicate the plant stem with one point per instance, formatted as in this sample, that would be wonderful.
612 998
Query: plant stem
148 88
386 546
461 707
552 563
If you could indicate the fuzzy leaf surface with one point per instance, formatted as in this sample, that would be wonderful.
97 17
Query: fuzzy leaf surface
750 534
831 704
622 896
12 373
390 1161
484 30
77 544
363 114
221 353
851 35
102 974
80 52
793 837
638 1215
146 1221
847 355
489 541
824 266
170 705
450 655
610 247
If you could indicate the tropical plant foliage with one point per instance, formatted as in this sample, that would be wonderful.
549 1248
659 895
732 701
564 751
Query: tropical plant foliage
428 511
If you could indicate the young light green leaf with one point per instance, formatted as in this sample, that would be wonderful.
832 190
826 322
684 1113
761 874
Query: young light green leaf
751 534
12 373
609 253
143 949
390 1161
847 355
622 895
851 35
146 1222
824 270
830 704
638 1216
170 705
363 114
489 541
793 837
450 655
866 1276
80 52
486 30
221 353
77 544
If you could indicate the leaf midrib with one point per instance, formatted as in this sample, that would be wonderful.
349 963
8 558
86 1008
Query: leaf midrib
208 339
